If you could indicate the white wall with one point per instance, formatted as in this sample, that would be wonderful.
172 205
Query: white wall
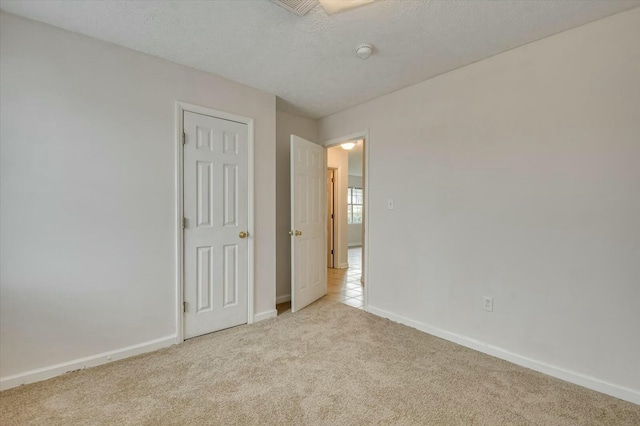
88 192
338 158
525 172
355 229
286 125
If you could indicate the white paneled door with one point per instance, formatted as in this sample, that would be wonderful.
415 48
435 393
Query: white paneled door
216 220
308 222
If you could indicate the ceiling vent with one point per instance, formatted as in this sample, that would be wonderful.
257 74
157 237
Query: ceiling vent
299 7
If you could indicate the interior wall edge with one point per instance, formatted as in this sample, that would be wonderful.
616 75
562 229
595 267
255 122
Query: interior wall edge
261 316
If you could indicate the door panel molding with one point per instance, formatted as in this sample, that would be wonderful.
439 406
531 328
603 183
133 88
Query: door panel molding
308 222
230 146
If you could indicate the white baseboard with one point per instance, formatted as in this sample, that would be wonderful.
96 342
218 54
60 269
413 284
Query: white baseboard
82 363
343 265
265 315
631 395
355 244
282 299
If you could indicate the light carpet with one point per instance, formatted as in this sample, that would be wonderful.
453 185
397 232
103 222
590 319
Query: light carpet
327 364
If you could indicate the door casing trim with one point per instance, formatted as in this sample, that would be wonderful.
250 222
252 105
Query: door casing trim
333 229
180 108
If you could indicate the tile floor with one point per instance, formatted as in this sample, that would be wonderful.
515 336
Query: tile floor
343 285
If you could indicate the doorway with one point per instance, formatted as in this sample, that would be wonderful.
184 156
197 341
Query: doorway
345 281
309 236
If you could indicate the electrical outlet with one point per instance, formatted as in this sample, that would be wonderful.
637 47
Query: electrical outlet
390 205
488 304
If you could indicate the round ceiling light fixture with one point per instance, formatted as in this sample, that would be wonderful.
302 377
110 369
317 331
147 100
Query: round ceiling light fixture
364 51
348 145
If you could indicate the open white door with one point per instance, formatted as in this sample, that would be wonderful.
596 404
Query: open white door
308 222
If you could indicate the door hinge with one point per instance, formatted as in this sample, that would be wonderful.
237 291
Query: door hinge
184 222
184 307
184 137
331 251
331 215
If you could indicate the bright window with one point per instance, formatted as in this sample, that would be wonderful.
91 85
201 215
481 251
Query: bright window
354 205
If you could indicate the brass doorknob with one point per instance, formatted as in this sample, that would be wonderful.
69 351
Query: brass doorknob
298 233
243 234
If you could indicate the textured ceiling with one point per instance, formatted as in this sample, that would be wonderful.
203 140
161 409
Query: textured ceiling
309 62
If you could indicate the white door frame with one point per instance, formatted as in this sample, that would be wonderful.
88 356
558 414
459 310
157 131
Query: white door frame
332 235
364 134
181 107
